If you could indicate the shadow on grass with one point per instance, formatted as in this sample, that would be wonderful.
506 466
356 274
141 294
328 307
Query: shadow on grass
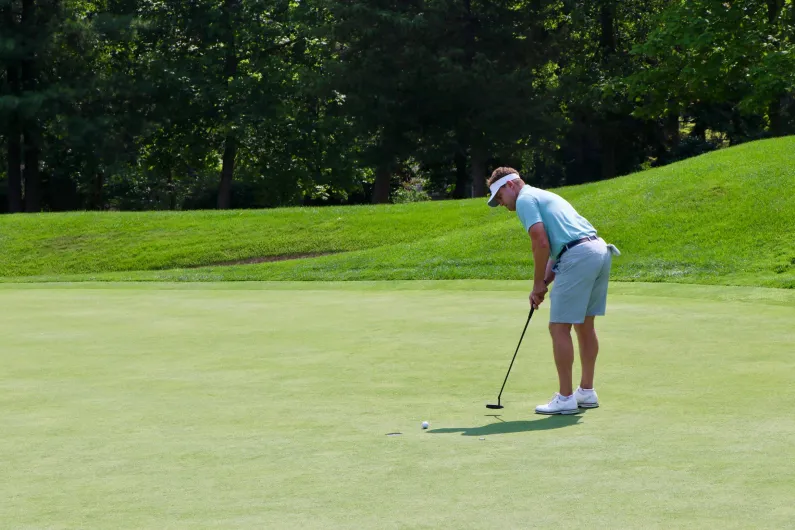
506 427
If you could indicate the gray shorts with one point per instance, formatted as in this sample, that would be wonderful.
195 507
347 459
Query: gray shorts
580 286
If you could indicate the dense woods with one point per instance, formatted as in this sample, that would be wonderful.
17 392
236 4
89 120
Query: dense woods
174 104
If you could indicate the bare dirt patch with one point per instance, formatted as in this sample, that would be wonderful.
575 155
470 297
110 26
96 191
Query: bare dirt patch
264 259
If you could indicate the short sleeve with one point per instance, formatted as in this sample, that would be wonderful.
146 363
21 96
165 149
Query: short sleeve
528 211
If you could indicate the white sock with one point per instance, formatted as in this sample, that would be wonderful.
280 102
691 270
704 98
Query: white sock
586 390
565 398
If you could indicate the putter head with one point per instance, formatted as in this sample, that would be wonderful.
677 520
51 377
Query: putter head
494 406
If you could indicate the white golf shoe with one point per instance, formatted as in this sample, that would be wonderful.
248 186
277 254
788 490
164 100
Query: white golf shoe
586 399
558 406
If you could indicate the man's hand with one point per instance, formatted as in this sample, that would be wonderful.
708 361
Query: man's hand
538 294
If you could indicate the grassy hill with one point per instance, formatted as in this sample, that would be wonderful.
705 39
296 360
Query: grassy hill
727 217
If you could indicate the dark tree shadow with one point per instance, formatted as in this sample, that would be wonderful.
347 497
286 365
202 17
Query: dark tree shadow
506 427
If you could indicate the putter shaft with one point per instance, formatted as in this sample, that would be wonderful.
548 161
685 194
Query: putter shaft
499 397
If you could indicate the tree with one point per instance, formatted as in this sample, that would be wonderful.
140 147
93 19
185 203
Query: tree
446 82
708 55
380 75
29 27
223 67
496 69
9 102
601 138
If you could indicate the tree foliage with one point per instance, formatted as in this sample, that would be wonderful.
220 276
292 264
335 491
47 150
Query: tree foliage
166 104
726 65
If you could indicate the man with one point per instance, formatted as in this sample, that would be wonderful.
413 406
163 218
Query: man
566 248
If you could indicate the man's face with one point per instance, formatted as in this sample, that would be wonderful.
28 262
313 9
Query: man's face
507 195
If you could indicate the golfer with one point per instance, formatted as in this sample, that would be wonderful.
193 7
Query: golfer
566 248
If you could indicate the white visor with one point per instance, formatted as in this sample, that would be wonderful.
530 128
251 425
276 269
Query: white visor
496 187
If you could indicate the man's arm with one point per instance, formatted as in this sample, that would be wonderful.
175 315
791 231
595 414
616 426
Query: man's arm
540 241
550 275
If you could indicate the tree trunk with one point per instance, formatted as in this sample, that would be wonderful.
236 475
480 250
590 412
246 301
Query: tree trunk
607 17
774 8
14 135
230 143
462 188
13 131
737 132
669 139
469 35
775 113
463 184
32 177
479 176
672 134
30 146
608 154
699 130
775 109
14 165
381 185
607 42
172 190
227 172
96 192
582 150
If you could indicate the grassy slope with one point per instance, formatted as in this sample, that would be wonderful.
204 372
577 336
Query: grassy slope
726 217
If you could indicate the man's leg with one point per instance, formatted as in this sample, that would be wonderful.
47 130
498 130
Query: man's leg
586 332
563 349
589 349
569 304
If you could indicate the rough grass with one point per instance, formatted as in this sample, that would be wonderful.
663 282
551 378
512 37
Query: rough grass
727 217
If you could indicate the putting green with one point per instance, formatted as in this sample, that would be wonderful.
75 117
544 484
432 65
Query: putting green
268 406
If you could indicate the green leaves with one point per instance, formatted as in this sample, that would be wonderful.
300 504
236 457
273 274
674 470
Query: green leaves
134 104
709 51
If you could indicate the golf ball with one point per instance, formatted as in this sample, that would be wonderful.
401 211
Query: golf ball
425 425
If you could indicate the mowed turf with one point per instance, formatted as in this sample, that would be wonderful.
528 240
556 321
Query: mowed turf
727 217
268 406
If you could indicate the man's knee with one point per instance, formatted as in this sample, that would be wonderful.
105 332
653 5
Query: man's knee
557 329
586 327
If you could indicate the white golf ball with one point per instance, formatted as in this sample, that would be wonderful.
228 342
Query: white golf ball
425 425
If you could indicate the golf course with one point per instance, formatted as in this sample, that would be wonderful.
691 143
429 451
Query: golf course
272 368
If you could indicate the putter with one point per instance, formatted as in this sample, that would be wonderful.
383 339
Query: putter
498 405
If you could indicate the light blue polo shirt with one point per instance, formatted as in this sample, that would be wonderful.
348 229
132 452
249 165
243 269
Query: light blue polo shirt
561 220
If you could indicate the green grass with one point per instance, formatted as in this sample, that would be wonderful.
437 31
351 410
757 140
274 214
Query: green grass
267 406
727 217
